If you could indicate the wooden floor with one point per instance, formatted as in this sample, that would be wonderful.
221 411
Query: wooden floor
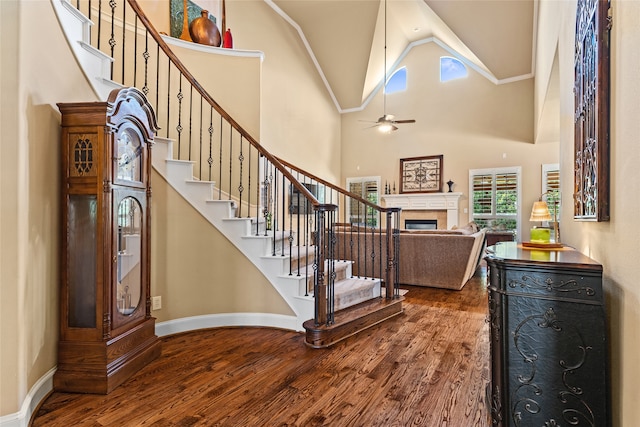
427 367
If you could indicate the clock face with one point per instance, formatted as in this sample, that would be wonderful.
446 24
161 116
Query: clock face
129 158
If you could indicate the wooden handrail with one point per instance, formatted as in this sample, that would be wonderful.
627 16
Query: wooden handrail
337 188
205 95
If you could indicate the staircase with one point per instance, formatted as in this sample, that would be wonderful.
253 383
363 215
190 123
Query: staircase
347 304
296 286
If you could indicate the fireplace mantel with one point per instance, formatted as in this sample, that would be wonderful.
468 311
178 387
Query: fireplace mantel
427 202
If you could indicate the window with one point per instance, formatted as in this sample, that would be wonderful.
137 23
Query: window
551 184
397 82
495 197
368 189
451 69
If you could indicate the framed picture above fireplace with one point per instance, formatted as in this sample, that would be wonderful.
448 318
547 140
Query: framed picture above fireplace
421 174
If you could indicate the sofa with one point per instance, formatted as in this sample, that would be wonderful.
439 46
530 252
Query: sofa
435 258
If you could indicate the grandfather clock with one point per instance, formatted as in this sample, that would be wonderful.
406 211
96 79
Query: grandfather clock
106 329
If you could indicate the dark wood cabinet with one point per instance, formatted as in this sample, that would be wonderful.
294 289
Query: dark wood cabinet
549 352
106 330
494 237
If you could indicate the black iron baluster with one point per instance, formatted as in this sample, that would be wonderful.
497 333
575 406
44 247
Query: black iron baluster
112 40
99 23
179 128
145 55
190 119
259 201
135 51
240 186
200 141
364 236
230 158
168 92
274 215
249 184
382 260
282 231
220 163
210 159
124 30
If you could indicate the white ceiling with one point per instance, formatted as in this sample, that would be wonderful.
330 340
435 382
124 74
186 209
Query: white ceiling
346 38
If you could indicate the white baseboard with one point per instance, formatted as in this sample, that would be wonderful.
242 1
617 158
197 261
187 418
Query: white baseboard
186 324
38 392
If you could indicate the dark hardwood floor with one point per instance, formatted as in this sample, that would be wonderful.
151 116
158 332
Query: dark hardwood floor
427 367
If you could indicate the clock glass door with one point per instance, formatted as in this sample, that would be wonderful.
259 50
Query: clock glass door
129 246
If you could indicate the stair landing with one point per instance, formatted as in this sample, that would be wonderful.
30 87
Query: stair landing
352 320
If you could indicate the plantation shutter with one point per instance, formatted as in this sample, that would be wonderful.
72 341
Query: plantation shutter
367 188
506 194
483 194
551 186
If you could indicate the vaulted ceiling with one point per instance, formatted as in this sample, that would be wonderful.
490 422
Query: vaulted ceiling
346 38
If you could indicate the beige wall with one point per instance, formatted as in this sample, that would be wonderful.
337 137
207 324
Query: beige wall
196 270
613 243
472 122
35 75
297 111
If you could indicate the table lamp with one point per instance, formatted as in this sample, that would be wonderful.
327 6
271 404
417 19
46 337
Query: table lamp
540 212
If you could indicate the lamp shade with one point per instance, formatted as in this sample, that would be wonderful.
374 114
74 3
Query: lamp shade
540 212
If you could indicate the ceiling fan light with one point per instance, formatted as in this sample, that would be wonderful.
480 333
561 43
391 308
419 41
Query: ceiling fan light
385 127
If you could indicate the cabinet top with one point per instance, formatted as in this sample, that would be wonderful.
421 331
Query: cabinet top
515 253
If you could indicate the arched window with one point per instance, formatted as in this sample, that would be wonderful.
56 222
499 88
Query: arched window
397 81
451 69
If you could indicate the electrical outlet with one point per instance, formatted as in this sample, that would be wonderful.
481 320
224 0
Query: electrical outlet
156 303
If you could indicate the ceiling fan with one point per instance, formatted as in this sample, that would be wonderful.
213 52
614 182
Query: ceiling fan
387 122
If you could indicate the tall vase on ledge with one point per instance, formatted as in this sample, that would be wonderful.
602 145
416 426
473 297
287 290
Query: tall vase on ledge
204 31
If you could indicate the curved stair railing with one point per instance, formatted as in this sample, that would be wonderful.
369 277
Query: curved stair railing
300 211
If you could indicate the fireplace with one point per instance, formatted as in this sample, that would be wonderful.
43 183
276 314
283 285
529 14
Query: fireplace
421 224
442 207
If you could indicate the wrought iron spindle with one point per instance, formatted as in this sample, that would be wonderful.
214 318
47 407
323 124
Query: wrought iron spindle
124 29
112 39
220 163
230 158
240 184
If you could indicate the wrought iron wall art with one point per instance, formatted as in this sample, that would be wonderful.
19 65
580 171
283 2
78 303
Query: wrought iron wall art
591 119
421 174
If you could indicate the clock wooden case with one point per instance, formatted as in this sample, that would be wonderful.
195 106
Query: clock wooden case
106 329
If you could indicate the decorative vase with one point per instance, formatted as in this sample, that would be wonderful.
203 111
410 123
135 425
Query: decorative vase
204 31
450 184
228 39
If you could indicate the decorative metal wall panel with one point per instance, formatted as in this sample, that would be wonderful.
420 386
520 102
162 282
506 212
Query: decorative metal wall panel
591 119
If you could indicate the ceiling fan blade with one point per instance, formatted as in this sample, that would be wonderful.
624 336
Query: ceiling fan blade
404 121
372 126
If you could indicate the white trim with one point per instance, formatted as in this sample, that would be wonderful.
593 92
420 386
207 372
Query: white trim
212 49
38 393
427 202
207 321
